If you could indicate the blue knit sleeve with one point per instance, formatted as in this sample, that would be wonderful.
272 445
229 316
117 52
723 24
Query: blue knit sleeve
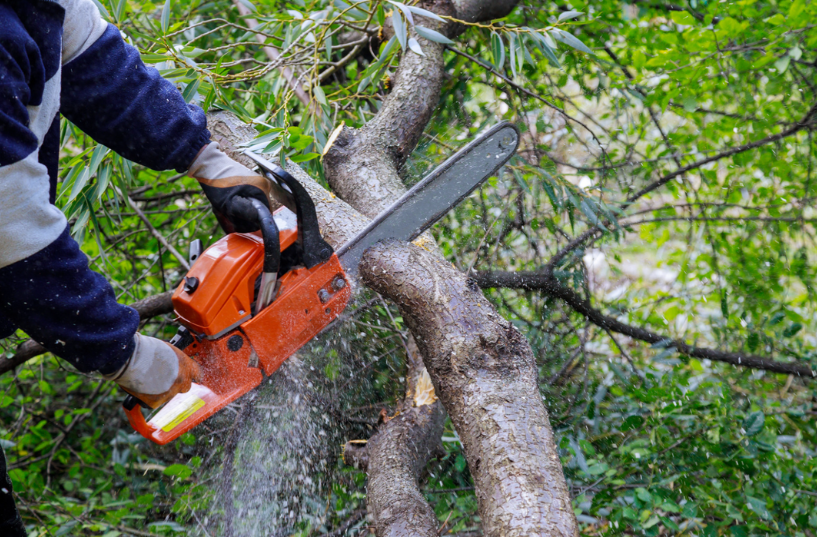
109 93
55 298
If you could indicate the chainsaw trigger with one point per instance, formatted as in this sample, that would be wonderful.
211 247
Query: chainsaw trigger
191 283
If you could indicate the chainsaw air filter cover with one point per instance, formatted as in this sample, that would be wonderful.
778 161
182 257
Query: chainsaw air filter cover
219 289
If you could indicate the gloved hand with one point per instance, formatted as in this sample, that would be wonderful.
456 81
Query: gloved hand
223 180
156 371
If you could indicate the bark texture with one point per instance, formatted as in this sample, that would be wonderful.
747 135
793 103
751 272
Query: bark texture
397 456
362 164
484 372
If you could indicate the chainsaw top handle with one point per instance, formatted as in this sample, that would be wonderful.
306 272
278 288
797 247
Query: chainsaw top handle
315 249
255 211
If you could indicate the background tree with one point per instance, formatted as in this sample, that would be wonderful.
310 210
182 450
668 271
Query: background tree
652 242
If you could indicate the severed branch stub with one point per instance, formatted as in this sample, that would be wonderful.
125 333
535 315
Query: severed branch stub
395 457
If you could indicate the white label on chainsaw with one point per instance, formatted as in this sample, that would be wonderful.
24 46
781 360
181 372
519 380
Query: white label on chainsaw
180 408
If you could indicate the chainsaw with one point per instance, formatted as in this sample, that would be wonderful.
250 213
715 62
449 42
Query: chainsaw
251 300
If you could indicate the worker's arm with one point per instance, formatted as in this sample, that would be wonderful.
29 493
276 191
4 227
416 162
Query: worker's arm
71 310
110 94
46 286
120 102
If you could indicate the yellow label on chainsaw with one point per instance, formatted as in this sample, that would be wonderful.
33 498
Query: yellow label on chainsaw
195 404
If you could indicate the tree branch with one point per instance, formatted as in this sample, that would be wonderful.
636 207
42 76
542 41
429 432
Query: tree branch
485 374
546 283
804 123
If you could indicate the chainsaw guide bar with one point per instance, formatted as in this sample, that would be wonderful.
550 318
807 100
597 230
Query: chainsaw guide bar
430 199
251 300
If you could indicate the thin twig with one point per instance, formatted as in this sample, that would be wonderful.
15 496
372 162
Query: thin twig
159 237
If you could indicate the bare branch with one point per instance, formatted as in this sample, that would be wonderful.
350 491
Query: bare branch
546 283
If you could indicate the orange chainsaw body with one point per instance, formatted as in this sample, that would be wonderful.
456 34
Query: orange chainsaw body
234 348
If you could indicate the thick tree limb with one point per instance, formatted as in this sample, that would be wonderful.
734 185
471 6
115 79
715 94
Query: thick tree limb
485 373
148 308
546 283
395 457
362 167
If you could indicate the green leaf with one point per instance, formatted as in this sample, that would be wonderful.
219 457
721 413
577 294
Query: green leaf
797 7
166 16
432 35
66 528
497 50
759 507
191 90
317 91
572 14
103 178
327 43
249 5
512 50
632 422
103 10
425 13
96 157
777 19
363 84
459 463
178 470
643 495
546 50
669 523
752 341
79 183
682 17
754 422
304 158
405 10
119 9
792 329
399 28
521 181
570 40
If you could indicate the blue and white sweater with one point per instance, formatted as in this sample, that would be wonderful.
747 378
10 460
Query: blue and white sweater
59 56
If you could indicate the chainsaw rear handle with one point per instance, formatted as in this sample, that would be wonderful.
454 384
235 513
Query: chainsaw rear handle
131 402
250 209
180 341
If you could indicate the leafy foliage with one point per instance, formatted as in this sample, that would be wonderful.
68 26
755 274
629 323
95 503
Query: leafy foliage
675 139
